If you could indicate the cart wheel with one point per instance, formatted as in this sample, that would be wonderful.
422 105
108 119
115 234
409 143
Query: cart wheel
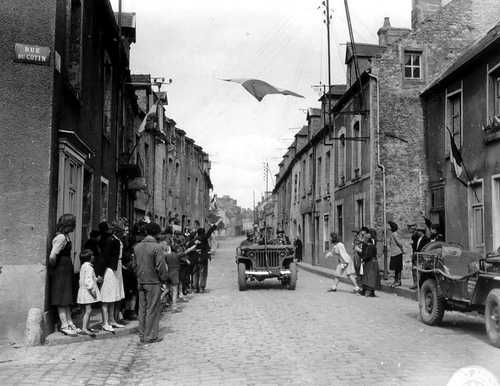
492 317
292 283
431 304
242 280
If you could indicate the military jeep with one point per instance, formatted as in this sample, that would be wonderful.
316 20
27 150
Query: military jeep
451 278
260 262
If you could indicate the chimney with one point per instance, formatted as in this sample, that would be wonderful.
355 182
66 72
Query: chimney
388 34
422 9
382 32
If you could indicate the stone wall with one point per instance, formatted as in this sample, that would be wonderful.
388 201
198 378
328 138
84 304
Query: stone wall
25 156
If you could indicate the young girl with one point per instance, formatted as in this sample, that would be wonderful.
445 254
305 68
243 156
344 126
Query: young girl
88 293
345 264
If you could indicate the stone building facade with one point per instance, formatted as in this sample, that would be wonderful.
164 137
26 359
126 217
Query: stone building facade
377 167
466 100
62 131
70 143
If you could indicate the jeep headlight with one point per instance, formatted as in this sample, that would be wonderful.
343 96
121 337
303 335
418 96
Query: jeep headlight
251 254
282 254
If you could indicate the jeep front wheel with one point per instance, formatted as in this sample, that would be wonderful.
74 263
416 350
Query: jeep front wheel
242 280
492 317
431 303
292 281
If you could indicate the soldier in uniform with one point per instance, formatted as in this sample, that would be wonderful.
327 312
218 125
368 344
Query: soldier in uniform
248 240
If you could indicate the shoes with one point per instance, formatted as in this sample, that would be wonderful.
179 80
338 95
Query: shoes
362 292
396 284
75 329
89 333
68 331
413 287
370 294
107 327
117 325
331 290
356 290
156 340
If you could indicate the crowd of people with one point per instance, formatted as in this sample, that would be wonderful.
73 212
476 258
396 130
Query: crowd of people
362 268
126 275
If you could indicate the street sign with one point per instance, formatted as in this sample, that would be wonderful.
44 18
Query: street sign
28 53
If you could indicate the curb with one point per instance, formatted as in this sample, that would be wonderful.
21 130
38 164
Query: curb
329 273
58 338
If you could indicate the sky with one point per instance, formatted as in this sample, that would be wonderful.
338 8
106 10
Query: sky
198 42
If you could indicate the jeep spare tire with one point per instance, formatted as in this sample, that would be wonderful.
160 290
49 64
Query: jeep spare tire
431 303
292 282
492 317
242 280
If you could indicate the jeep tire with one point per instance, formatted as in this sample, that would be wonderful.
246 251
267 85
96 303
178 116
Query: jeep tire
431 303
242 280
492 317
292 281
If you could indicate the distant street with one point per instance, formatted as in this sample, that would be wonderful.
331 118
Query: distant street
270 335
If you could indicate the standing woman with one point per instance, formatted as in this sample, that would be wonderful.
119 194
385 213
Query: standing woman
369 264
396 253
112 286
61 274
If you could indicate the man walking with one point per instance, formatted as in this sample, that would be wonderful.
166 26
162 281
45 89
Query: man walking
151 272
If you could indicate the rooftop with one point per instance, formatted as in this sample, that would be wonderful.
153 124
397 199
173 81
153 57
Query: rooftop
363 50
492 37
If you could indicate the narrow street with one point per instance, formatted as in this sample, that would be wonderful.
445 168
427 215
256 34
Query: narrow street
269 335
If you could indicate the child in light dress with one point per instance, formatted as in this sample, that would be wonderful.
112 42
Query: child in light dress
345 266
88 292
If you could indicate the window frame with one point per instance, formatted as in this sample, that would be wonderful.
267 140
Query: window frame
471 208
357 216
356 145
412 53
449 96
341 157
492 92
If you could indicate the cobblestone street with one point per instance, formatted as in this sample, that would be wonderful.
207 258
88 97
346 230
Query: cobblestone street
269 335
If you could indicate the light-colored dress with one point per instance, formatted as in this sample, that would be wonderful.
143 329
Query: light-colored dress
87 283
112 287
343 257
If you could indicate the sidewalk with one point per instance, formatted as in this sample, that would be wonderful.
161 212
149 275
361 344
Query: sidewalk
58 338
403 291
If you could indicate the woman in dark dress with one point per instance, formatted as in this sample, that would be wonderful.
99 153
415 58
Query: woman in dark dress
61 274
369 264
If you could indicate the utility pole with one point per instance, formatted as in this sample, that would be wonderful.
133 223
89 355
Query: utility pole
326 12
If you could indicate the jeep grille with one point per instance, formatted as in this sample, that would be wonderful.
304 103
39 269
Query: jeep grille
273 258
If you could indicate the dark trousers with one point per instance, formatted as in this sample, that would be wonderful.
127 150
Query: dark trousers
200 276
149 311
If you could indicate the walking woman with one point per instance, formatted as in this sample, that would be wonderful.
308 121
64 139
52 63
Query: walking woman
345 264
61 274
396 253
370 268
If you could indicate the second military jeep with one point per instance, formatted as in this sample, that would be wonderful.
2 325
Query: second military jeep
259 262
451 278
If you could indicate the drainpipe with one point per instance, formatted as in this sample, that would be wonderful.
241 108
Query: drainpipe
382 169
